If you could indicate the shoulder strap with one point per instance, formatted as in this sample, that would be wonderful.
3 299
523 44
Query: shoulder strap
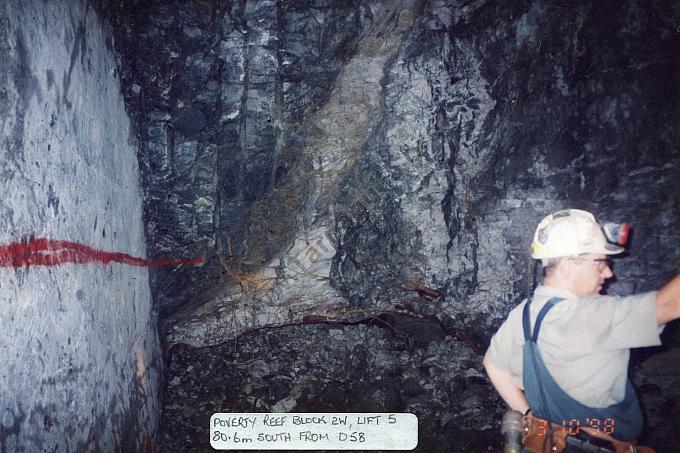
526 320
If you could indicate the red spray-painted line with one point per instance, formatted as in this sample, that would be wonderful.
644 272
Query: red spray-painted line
46 252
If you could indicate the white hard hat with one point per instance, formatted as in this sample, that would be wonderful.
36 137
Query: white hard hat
570 232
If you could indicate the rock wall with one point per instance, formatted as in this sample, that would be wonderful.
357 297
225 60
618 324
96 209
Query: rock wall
369 165
78 342
432 140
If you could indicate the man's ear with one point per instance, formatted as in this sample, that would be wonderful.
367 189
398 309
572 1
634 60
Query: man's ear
565 268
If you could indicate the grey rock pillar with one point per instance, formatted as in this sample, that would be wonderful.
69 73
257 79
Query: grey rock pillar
79 349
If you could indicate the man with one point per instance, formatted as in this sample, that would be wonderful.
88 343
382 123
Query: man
569 363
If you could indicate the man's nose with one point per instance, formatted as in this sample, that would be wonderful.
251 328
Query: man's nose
607 272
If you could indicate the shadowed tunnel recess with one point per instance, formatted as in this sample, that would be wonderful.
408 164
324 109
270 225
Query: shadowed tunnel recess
362 178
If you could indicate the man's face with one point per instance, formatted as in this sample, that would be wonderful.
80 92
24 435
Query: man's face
589 272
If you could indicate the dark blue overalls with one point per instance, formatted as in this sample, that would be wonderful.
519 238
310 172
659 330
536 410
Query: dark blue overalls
541 389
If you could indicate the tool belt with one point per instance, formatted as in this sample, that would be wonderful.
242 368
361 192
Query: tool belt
540 436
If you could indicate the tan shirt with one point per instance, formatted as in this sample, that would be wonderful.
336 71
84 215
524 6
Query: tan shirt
584 341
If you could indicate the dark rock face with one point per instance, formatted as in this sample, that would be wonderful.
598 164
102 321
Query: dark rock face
352 160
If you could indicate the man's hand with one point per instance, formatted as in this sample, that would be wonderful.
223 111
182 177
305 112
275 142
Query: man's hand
502 381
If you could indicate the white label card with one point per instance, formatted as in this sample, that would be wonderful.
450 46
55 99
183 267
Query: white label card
314 431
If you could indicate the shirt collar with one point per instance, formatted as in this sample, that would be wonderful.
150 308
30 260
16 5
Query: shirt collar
552 291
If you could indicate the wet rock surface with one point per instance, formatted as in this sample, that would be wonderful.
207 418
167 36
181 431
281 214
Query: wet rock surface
351 160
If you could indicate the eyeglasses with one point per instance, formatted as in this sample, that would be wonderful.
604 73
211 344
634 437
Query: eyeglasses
601 263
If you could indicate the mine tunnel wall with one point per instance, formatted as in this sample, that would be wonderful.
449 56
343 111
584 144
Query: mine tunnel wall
78 342
483 119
